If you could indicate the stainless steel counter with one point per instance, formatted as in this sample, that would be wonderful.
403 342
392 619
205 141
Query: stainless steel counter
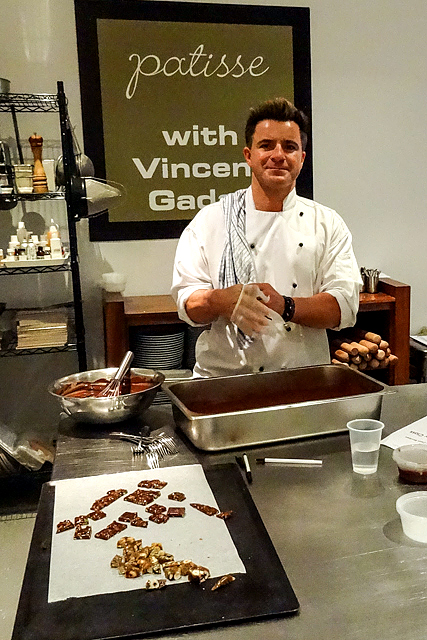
337 534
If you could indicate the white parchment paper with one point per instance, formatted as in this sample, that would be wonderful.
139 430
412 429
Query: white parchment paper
81 568
414 433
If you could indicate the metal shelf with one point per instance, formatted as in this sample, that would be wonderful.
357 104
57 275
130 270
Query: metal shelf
13 271
14 352
51 195
29 102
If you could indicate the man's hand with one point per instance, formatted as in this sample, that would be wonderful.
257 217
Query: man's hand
206 305
250 315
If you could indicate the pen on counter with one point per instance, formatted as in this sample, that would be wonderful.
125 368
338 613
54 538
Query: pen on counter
243 463
291 461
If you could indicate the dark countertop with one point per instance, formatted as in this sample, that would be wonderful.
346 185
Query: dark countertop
337 534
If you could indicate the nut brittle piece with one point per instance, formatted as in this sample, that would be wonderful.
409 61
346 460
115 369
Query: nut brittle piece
110 531
152 484
224 515
176 512
80 520
177 496
82 532
139 522
111 496
96 515
155 508
127 516
142 496
159 518
65 525
204 508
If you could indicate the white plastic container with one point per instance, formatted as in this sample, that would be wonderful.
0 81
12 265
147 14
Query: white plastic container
114 282
412 508
411 460
19 448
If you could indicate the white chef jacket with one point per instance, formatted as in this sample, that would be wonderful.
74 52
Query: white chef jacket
302 250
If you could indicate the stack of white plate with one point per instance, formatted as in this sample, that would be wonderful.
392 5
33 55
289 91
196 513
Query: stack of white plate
158 352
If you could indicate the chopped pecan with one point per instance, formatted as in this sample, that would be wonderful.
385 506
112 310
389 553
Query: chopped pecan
223 581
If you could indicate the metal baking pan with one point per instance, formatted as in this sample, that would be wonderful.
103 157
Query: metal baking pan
260 408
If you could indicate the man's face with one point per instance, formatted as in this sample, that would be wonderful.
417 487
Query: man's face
275 157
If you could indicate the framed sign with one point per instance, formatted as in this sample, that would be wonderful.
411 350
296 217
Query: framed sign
166 88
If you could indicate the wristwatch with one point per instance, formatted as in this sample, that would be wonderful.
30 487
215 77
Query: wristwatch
289 310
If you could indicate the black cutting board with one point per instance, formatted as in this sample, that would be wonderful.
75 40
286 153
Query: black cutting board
264 591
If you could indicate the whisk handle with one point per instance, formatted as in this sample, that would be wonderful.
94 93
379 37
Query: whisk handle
124 366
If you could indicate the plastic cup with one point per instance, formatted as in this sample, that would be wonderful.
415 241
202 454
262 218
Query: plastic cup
365 437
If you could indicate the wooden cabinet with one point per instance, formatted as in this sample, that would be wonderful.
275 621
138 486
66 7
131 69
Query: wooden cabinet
386 312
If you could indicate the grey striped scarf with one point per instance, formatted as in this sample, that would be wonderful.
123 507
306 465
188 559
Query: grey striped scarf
237 264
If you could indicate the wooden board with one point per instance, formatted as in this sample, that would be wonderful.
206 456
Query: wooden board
264 591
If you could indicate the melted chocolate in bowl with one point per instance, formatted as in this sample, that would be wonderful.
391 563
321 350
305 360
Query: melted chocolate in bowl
84 389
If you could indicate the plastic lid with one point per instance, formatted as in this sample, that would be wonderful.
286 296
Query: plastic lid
411 456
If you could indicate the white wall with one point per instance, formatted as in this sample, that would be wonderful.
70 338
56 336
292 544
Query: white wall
369 121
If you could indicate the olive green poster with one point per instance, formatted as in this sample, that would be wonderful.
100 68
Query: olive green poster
173 100
175 97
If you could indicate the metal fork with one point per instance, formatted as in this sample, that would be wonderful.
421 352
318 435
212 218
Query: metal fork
152 459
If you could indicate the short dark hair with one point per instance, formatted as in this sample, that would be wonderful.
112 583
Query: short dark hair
278 109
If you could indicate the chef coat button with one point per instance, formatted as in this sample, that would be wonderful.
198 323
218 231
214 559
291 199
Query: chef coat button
261 369
252 246
294 284
288 328
301 213
300 244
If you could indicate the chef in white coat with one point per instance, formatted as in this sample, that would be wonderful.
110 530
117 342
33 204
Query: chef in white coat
267 270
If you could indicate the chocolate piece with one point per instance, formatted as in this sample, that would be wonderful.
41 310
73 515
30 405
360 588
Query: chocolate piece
82 532
80 520
159 518
155 508
139 522
117 493
152 484
105 534
111 530
142 496
97 515
65 525
176 495
128 516
112 496
176 512
204 508
224 514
